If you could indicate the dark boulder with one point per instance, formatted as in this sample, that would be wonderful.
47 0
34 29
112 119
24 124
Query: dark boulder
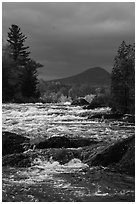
127 163
17 160
64 142
93 105
98 102
115 116
54 142
80 102
13 143
116 153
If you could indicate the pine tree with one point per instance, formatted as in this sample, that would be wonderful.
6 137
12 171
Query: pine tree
30 81
123 78
20 81
6 73
16 40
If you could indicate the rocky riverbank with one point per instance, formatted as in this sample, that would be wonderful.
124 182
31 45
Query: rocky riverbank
17 151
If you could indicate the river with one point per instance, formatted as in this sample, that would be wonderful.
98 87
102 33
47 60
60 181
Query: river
73 181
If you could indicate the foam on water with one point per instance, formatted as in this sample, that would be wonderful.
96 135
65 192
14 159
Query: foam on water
46 120
41 171
54 167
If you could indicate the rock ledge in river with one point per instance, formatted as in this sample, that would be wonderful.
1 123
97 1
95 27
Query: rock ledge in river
13 143
18 160
80 102
65 142
120 154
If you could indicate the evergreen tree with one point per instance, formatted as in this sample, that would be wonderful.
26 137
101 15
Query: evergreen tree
16 40
9 75
30 81
6 63
19 72
123 79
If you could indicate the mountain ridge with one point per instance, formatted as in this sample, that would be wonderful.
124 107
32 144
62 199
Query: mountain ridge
92 76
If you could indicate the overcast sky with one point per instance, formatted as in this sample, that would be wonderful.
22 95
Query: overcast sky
68 38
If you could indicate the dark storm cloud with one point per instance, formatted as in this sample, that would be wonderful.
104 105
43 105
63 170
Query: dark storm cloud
71 37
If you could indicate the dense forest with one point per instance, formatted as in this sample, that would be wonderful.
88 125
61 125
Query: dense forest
19 71
123 79
20 81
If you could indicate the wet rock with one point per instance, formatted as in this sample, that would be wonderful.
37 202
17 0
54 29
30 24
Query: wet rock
129 118
119 155
99 102
13 143
54 142
127 163
114 116
62 155
17 160
93 105
64 142
79 102
114 153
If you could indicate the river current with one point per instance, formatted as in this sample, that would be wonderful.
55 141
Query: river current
48 180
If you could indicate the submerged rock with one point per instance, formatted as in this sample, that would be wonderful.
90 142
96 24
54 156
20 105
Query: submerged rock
13 143
62 155
114 116
65 142
129 118
80 102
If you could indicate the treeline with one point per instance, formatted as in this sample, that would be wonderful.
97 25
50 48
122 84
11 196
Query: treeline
123 79
51 91
121 97
19 71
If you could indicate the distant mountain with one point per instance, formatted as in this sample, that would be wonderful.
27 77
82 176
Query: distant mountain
94 76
